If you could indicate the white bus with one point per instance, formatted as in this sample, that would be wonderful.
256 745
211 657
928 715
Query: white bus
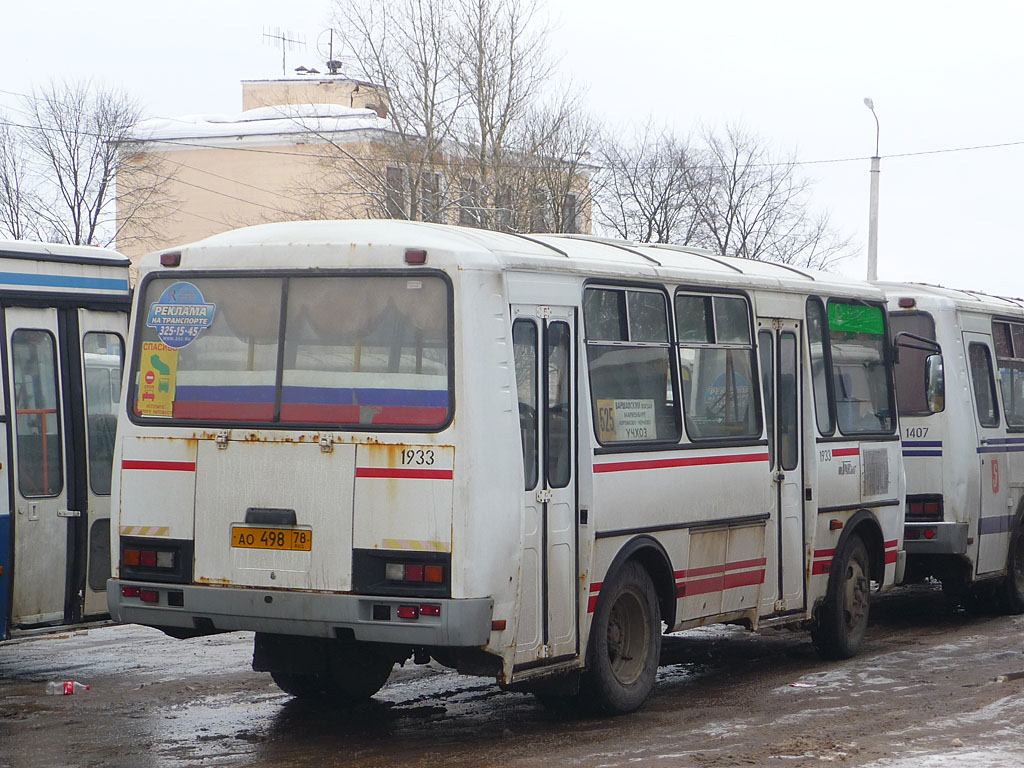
964 453
64 312
522 456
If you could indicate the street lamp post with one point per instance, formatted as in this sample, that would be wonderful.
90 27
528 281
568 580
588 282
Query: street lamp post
873 213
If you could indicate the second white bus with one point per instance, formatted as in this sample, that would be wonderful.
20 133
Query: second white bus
962 417
523 457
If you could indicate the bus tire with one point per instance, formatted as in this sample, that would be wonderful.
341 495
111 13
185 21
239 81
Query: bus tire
1011 591
843 617
301 686
354 673
625 644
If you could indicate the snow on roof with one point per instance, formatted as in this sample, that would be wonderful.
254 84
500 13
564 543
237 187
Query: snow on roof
264 121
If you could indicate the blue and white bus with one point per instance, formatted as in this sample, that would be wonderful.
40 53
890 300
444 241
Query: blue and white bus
63 312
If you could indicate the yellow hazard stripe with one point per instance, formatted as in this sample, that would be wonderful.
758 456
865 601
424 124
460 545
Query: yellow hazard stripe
145 530
417 546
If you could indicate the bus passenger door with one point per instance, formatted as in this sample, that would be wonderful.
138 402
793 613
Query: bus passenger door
42 540
779 351
102 357
545 362
995 517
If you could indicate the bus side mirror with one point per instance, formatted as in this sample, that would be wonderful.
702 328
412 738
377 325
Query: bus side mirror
934 383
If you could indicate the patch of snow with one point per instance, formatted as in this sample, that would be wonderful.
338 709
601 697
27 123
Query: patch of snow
263 121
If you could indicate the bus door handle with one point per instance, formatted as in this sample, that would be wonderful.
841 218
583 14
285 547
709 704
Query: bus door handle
68 513
543 495
780 476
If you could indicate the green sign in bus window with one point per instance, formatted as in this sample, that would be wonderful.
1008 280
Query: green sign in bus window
855 318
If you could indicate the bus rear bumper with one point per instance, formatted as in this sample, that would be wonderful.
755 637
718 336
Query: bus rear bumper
935 538
194 610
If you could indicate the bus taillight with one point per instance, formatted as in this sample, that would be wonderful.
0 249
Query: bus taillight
149 558
432 574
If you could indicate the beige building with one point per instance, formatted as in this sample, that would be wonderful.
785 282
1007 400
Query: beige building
312 147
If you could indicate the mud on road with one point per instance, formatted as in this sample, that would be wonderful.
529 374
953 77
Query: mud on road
923 693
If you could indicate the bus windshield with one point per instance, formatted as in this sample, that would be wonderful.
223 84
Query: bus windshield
353 350
909 370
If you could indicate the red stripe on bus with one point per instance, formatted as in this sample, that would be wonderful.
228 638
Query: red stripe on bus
890 544
720 583
824 553
405 473
744 579
701 587
166 466
699 461
591 603
596 586
846 451
891 556
820 567
702 571
709 569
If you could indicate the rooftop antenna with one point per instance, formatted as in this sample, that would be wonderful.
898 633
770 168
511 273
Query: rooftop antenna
288 40
325 47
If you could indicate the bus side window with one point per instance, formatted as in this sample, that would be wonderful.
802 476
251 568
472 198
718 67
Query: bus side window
984 385
557 414
1009 343
524 344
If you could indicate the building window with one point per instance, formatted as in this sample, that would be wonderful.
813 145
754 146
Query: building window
569 221
430 198
539 212
394 193
469 204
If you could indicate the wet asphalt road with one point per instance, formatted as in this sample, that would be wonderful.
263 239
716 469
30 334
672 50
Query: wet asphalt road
923 693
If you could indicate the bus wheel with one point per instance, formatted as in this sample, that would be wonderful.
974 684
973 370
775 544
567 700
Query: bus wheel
625 643
354 673
1011 592
301 686
844 615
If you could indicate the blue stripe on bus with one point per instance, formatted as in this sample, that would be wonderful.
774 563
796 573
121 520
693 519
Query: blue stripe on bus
437 398
312 395
922 443
1000 448
206 394
996 524
922 453
64 281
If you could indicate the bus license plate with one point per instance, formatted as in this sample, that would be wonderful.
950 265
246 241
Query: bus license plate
272 538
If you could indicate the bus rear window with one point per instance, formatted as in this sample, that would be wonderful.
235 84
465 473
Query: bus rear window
357 351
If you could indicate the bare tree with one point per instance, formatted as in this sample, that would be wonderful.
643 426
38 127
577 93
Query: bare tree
461 81
402 48
556 151
500 51
645 189
79 137
15 203
730 193
755 205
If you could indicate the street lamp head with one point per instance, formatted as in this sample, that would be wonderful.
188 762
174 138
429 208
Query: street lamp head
869 103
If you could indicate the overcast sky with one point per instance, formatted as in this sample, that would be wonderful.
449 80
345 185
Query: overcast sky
943 76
